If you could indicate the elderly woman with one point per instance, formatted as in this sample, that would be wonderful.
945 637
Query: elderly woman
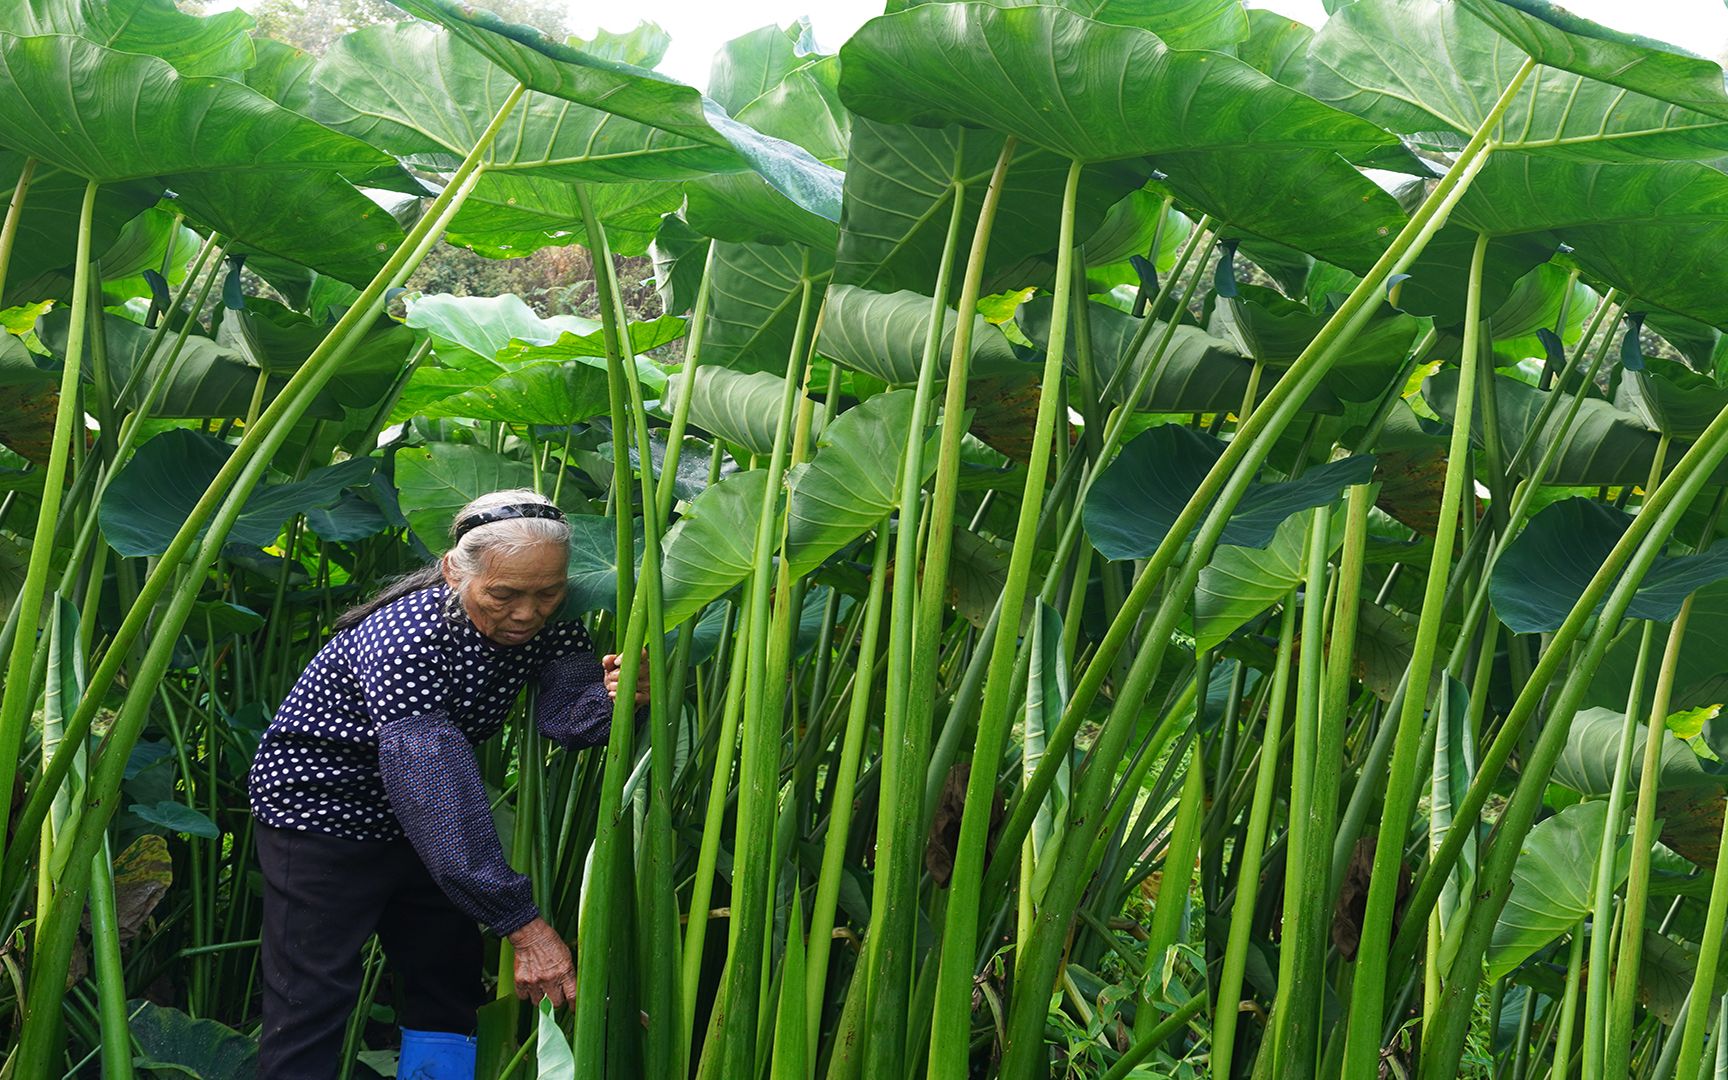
372 817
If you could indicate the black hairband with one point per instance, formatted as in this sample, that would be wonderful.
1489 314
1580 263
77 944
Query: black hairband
505 513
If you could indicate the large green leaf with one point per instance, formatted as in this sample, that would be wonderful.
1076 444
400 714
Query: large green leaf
1138 496
1311 200
1086 90
1699 675
1552 884
1547 567
154 493
848 487
1652 229
550 392
1605 445
804 109
1182 24
1440 277
176 1044
197 45
883 335
1593 744
237 161
900 185
740 407
1239 583
1559 39
552 1055
754 296
1419 68
424 95
711 548
750 65
436 480
633 93
594 564
209 381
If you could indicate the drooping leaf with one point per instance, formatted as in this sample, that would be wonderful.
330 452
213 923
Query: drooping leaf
1559 39
238 162
711 548
484 325
644 337
47 237
1139 495
1545 569
748 66
848 487
1434 71
1552 884
143 874
154 493
633 93
1108 87
1593 743
900 185
511 215
1651 229
1605 445
195 44
1671 398
594 564
883 335
742 408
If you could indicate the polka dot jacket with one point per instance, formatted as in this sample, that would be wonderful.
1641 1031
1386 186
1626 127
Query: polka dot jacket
376 740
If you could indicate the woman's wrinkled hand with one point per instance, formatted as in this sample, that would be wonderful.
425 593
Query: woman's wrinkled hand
543 965
610 666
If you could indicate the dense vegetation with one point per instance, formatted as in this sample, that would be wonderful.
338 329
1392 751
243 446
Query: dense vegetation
1168 543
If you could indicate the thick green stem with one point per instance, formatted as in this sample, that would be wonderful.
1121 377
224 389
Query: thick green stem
18 701
950 1031
14 214
913 652
1368 986
1709 958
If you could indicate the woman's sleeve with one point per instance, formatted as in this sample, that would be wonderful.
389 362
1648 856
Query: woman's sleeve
430 774
573 708
435 789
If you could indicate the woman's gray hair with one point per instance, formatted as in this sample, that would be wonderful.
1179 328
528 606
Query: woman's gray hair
468 554
494 539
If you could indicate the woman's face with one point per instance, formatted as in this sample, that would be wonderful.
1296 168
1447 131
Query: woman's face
512 596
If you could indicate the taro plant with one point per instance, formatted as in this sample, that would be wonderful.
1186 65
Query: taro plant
1166 542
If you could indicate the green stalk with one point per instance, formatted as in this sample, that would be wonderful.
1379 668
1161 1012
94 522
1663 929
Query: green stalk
1225 1012
687 384
110 974
1178 876
713 827
19 699
665 1056
1155 1038
1368 986
1646 534
950 1029
1568 1006
1228 478
913 650
844 783
14 214
1307 882
759 761
230 489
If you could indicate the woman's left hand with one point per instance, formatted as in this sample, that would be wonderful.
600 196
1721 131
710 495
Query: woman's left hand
609 665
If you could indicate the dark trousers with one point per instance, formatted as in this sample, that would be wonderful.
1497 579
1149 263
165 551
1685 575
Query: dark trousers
323 898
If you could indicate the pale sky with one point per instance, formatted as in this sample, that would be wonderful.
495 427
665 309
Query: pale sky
699 27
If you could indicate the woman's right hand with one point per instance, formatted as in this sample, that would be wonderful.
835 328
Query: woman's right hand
543 967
